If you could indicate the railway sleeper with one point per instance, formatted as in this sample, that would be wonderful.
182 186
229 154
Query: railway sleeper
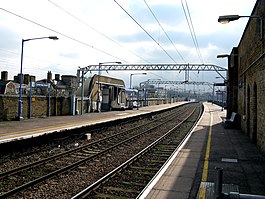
141 178
127 183
169 146
78 156
83 153
109 196
163 152
145 168
152 165
167 150
146 173
119 190
118 179
90 151
157 161
162 155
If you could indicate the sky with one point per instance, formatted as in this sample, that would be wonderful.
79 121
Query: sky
129 31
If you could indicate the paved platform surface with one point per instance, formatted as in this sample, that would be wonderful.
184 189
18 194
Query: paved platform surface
13 130
210 146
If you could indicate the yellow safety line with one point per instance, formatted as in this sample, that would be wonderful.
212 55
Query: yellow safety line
202 192
206 161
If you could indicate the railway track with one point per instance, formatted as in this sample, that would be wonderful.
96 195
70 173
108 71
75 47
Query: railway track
129 179
21 178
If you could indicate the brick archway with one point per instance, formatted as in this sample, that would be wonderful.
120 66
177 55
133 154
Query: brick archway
255 114
248 111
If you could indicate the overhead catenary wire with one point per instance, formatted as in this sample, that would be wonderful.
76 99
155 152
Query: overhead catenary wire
31 21
98 32
192 31
62 34
146 32
165 32
191 28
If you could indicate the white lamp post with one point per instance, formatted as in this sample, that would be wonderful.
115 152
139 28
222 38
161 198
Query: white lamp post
135 74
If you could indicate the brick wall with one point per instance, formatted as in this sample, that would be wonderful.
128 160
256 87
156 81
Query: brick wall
251 73
39 107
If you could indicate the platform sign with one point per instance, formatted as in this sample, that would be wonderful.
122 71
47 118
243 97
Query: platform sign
38 85
220 92
219 84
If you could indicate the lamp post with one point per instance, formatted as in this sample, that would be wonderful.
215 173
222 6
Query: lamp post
145 89
227 18
228 78
98 96
135 74
222 56
165 91
20 116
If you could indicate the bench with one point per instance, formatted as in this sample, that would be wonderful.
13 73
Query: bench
232 122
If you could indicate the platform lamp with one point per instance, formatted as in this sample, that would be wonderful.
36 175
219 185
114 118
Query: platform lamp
227 18
20 116
98 81
222 56
135 74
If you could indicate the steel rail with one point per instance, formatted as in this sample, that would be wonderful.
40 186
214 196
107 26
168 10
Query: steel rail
64 169
85 192
45 160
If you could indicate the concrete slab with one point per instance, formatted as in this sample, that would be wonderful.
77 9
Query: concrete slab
183 176
13 130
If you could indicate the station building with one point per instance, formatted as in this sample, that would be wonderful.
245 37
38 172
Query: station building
246 83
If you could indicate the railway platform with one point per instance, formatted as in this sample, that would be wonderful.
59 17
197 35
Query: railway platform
28 128
191 171
210 149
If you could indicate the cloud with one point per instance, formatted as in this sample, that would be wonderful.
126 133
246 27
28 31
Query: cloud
70 55
106 17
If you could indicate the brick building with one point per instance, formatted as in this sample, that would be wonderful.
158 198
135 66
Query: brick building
246 86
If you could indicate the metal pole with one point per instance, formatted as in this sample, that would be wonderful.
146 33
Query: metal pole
219 183
30 100
158 94
166 99
20 103
82 93
137 99
145 97
98 100
222 100
20 117
170 95
213 94
131 80
49 101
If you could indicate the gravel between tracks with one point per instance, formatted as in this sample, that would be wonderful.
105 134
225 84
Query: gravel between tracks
69 183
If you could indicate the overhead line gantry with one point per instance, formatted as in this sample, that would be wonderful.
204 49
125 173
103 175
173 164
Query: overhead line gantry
153 67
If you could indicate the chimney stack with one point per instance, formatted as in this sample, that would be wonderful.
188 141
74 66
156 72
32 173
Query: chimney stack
49 76
57 77
4 75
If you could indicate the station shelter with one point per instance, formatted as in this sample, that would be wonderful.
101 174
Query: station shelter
108 92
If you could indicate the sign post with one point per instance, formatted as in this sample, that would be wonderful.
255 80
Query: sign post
39 85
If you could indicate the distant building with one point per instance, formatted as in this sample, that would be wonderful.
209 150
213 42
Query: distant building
63 87
7 88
